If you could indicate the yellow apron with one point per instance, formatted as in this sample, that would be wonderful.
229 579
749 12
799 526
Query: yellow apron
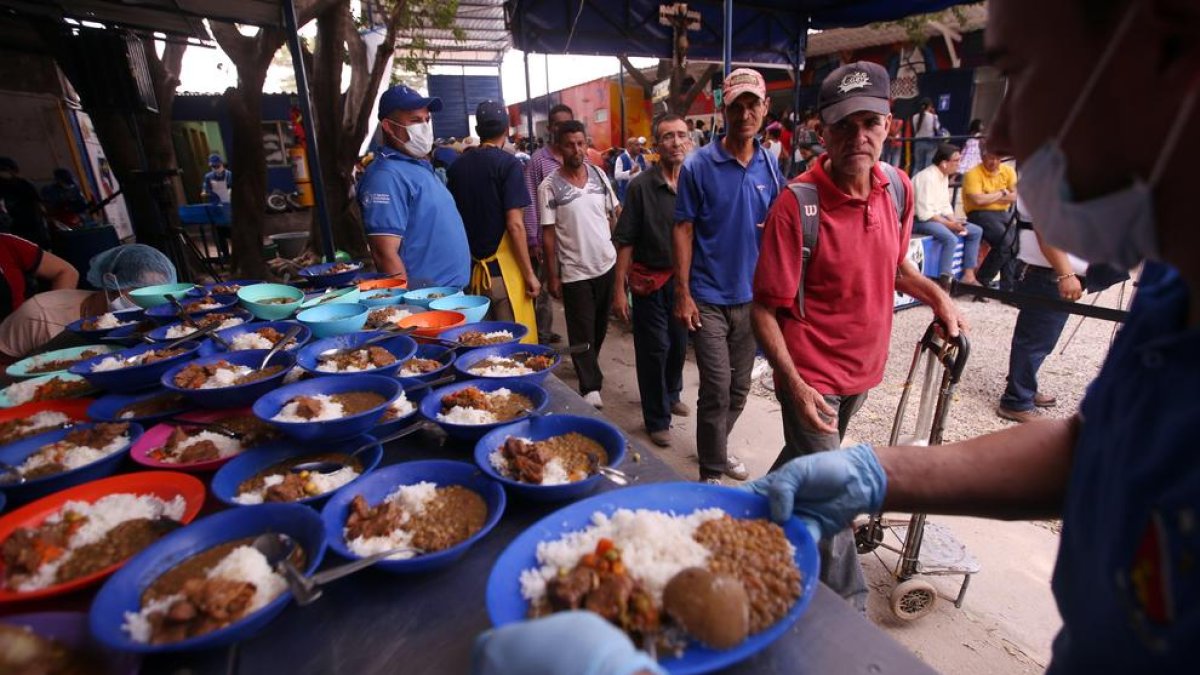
514 285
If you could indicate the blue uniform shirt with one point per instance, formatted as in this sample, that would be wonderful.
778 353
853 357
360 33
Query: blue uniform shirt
1127 580
401 196
726 204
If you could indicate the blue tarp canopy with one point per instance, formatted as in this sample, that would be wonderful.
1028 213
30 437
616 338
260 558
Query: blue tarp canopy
764 31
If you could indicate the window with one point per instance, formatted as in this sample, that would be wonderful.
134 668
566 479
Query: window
277 138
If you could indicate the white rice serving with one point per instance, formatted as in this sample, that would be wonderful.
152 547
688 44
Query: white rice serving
324 482
109 320
330 410
553 472
460 415
412 499
74 456
46 419
497 335
226 377
23 392
402 406
175 332
226 446
501 367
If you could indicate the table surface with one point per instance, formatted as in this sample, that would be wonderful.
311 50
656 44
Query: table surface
376 622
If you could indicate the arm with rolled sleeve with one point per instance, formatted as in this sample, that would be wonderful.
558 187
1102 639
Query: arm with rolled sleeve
516 199
911 281
385 207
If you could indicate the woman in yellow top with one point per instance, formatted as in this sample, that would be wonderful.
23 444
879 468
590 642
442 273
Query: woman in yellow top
989 192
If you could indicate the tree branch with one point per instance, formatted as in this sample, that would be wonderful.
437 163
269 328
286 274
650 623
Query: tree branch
689 98
635 73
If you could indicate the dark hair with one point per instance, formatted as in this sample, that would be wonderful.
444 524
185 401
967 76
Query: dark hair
774 132
926 103
976 126
944 152
560 108
568 127
699 124
665 117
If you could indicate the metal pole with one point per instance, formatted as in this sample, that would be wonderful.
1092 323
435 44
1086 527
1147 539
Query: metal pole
727 38
314 156
797 66
528 103
621 88
546 65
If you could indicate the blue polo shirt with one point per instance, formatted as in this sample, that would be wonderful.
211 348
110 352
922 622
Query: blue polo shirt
1127 580
726 204
401 196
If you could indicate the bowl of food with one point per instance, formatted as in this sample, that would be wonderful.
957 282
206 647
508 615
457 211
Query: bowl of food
472 408
431 324
58 642
74 538
551 458
438 508
343 355
133 369
271 302
62 458
400 411
390 316
331 274
381 297
202 442
328 408
229 380
96 327
429 363
386 281
153 296
334 319
679 551
45 388
423 296
256 335
145 408
56 362
473 307
223 288
214 320
532 363
31 419
486 334
330 296
266 475
143 607
194 308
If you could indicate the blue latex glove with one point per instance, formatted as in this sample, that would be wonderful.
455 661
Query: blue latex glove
566 643
825 489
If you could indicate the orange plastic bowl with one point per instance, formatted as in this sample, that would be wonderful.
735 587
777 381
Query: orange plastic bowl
76 409
165 485
431 324
373 284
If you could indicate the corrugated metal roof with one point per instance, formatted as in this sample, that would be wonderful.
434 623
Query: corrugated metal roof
174 17
486 36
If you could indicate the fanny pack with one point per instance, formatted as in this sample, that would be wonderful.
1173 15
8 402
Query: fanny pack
644 280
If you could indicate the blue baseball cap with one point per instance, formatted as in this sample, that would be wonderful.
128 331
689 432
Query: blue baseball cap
215 159
402 97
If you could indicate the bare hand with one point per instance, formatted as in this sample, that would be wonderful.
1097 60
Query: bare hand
1070 289
555 284
950 317
686 311
815 413
620 304
533 287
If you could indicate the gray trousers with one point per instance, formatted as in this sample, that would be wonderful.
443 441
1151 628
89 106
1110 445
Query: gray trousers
839 558
725 349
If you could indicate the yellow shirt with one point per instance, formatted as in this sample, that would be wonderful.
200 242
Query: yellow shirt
979 181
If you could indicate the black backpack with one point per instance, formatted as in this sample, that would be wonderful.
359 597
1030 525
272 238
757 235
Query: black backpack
809 206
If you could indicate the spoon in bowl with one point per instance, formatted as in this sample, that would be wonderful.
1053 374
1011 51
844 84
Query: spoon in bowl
288 337
277 548
331 466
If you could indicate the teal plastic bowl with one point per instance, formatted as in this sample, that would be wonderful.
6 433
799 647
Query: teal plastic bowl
341 296
334 319
250 297
421 296
153 296
382 297
474 307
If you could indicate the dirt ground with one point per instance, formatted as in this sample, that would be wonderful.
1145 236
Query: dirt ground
1008 619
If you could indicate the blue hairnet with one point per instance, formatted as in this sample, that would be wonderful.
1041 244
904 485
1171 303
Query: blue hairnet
133 265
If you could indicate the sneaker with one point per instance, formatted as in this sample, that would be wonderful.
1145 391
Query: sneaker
1044 400
549 338
661 438
712 480
1021 416
593 397
735 469
680 409
761 367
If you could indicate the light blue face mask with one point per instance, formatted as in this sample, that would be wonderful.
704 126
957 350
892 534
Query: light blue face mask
122 301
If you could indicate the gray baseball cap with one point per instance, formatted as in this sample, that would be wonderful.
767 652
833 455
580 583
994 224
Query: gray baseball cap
854 87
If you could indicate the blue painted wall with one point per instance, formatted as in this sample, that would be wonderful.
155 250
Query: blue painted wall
460 95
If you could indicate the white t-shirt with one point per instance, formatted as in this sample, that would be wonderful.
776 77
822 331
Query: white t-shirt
1030 252
924 124
931 194
580 218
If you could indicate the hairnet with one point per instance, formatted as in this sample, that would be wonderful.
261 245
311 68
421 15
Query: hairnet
133 265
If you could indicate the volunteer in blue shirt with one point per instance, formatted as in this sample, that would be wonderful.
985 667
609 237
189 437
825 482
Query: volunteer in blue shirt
412 224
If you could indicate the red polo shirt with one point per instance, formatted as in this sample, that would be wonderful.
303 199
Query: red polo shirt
18 259
840 345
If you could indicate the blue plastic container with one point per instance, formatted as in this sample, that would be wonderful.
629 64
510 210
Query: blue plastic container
16 453
431 405
400 346
518 331
318 276
474 307
166 313
210 347
444 355
468 359
334 319
269 405
382 297
250 298
421 296
160 334
132 378
153 296
105 408
127 315
226 481
237 396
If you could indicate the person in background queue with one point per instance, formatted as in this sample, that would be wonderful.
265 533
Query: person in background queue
64 201
643 239
542 163
488 185
628 165
217 184
935 214
593 154
989 192
725 189
579 209
412 224
23 204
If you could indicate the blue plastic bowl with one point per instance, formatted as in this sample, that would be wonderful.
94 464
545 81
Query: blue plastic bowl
384 429
133 378
153 296
431 404
400 346
474 307
468 359
237 396
421 297
316 274
382 297
164 314
16 453
210 347
104 409
383 482
348 295
269 405
123 591
133 315
518 331
250 296
226 481
206 289
445 355
160 334
541 428
334 319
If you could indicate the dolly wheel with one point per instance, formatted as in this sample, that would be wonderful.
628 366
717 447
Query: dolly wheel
867 538
913 599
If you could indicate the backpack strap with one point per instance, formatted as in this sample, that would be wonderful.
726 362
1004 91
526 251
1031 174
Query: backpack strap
808 206
898 190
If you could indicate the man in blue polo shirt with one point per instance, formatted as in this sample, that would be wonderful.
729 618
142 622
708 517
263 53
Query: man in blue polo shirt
725 190
412 224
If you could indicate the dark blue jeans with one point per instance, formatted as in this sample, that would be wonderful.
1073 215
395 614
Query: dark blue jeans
1034 336
949 242
660 346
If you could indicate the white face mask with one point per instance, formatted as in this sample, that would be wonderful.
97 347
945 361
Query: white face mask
1117 228
420 138
121 302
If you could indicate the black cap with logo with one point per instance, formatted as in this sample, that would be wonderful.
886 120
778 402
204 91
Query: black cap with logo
854 87
491 119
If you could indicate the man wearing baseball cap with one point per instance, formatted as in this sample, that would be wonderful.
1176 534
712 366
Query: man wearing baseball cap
488 185
412 224
828 341
724 192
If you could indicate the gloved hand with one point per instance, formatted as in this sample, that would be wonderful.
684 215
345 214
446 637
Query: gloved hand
566 643
826 489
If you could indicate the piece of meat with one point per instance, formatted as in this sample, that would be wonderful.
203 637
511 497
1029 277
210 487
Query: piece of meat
568 591
366 521
308 407
290 490
526 460
610 598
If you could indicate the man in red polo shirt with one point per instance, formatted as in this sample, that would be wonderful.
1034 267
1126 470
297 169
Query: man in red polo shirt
828 353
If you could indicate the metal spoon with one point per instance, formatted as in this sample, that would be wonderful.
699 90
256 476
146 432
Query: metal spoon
287 337
180 311
333 295
330 466
10 475
277 549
